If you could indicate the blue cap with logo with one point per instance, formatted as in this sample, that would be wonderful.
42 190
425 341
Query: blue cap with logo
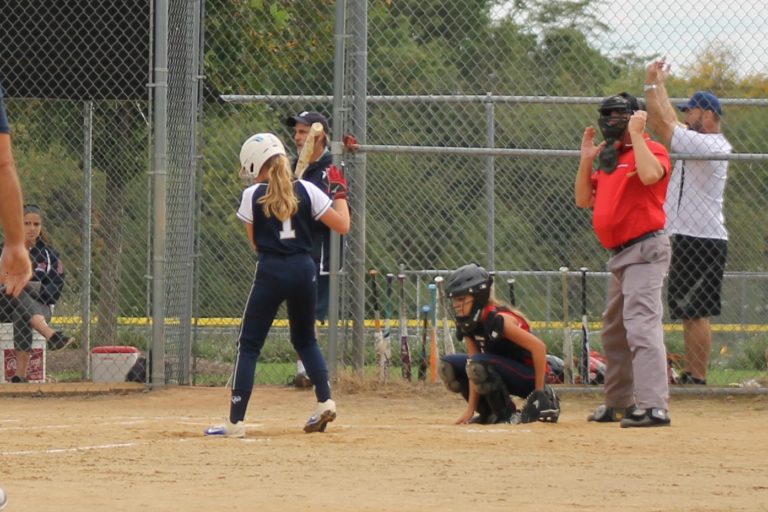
704 100
308 118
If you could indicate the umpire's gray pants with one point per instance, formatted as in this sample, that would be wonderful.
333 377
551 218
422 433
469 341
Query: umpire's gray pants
633 335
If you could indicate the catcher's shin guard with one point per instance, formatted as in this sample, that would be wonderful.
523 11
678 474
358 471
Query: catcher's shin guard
448 376
493 391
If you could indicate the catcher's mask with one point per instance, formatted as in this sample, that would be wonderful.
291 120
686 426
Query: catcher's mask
615 112
474 281
256 151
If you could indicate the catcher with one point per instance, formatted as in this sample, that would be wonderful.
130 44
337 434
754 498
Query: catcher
503 356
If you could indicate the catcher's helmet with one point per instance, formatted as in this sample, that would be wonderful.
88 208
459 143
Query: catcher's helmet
256 151
470 279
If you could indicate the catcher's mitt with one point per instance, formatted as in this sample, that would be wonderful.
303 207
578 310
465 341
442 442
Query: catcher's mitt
541 406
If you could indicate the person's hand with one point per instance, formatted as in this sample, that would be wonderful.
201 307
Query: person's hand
464 418
350 143
637 122
337 183
589 150
657 72
15 268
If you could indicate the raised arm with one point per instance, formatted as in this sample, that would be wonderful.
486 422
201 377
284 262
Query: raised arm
583 192
662 118
649 169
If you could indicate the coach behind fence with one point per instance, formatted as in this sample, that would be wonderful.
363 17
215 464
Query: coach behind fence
695 218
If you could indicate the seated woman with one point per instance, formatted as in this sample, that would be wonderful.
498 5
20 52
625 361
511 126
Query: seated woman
32 309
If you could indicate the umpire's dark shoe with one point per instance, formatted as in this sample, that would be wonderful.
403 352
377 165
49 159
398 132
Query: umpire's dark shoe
59 341
653 417
605 414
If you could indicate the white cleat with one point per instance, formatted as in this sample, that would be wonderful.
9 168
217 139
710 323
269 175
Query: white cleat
324 414
228 429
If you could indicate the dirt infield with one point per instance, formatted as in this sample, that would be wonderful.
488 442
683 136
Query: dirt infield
389 450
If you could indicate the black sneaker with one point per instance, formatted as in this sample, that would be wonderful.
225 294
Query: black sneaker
605 414
653 417
59 341
687 378
18 380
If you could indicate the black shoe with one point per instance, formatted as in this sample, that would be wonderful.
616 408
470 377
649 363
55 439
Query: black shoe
653 417
605 414
59 341
18 380
687 378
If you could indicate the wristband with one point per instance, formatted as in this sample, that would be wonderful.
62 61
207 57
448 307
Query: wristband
648 87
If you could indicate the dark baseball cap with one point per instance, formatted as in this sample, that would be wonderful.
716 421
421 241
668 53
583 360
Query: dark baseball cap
703 100
308 118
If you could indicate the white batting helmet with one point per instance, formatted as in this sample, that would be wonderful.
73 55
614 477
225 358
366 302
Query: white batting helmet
256 150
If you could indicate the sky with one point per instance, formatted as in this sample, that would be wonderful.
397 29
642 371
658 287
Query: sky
681 29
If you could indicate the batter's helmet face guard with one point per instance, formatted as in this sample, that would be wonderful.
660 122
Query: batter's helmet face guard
256 151
474 281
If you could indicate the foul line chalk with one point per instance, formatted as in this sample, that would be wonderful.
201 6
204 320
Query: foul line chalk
68 450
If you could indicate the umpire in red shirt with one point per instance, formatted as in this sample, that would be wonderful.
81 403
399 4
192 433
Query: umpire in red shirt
626 192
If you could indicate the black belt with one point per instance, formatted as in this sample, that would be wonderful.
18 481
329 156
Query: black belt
630 243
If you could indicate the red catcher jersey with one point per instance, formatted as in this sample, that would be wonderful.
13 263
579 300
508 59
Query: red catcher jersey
624 208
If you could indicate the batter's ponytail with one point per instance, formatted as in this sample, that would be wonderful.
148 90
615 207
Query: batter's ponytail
280 199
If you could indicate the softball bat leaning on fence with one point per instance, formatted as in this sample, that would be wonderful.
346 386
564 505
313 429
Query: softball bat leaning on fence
448 347
511 285
584 366
567 342
433 355
405 349
378 334
388 323
424 329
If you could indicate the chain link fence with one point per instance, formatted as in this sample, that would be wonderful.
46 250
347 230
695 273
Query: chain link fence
469 115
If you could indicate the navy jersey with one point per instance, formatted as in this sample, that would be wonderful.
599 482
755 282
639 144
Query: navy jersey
491 343
48 269
294 236
4 128
317 174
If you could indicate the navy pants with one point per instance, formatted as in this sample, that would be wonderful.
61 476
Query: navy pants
279 278
519 378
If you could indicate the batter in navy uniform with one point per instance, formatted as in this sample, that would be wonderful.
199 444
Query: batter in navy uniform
279 212
503 356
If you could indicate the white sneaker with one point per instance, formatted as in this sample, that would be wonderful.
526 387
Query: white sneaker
228 429
324 414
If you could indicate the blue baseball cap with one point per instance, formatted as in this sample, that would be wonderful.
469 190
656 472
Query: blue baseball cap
703 100
308 118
